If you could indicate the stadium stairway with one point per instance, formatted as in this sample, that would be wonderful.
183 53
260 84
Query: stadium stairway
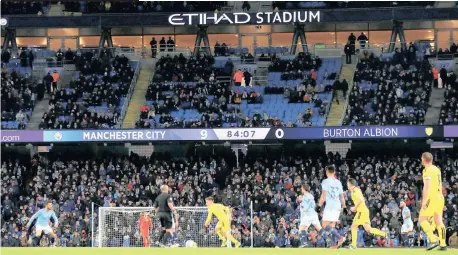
337 110
435 101
138 96
40 108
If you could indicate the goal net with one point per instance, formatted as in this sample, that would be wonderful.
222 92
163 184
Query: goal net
119 227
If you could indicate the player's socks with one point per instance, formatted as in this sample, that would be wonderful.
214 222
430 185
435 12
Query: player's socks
36 241
404 240
428 231
161 236
220 235
51 241
442 235
378 232
411 240
303 237
167 237
232 239
354 237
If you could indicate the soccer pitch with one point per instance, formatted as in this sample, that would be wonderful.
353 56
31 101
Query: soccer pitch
212 251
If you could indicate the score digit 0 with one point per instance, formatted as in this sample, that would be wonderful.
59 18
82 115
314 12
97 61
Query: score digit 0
279 133
203 134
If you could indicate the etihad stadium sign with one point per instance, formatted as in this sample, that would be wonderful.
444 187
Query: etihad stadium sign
244 18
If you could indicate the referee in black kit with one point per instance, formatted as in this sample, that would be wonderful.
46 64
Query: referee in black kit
164 208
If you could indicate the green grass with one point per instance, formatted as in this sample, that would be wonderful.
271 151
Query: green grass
212 251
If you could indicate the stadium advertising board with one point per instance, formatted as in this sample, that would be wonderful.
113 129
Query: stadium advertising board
229 134
182 19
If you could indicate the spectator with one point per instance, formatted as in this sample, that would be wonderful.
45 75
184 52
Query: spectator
247 77
238 76
59 57
246 6
453 240
348 53
162 44
153 44
453 48
344 86
55 79
23 56
6 56
31 58
217 49
170 44
362 39
69 56
352 40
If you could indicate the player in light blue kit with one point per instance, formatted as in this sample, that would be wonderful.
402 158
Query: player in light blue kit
333 195
43 217
308 214
407 226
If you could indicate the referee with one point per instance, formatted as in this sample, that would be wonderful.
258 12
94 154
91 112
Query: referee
164 209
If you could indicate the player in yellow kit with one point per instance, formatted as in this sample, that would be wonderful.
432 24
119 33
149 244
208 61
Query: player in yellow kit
432 203
362 214
223 227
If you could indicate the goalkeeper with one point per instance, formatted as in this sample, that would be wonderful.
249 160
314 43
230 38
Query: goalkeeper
223 227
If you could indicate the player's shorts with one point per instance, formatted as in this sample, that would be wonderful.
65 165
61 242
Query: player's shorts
308 220
362 218
166 219
331 215
144 233
44 229
433 205
224 225
407 227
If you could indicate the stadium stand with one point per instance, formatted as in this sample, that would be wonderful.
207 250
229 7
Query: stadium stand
391 90
72 181
18 99
183 89
306 83
449 109
96 96
15 7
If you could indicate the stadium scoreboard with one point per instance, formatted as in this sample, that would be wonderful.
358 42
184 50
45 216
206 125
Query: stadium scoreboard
229 134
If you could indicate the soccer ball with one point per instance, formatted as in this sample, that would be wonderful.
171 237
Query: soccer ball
191 244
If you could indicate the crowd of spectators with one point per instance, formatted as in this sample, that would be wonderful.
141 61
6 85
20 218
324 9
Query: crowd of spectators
18 100
449 109
182 84
296 68
181 69
209 98
390 92
22 7
270 180
94 99
139 7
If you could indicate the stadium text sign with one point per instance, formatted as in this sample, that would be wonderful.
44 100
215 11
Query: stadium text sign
244 18
228 134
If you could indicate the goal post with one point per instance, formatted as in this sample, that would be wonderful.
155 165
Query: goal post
119 227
